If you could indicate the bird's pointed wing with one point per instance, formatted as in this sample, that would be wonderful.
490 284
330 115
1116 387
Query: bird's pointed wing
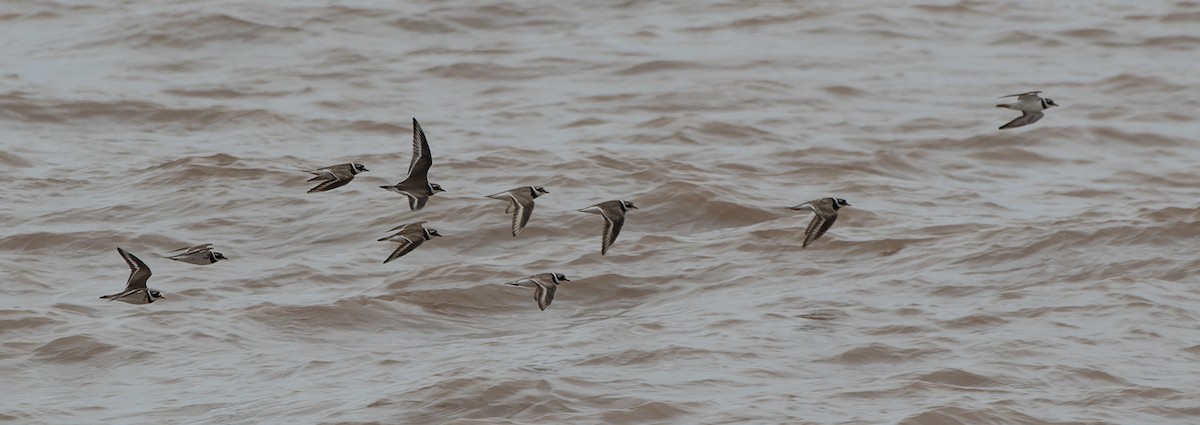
123 294
405 226
1020 95
416 202
324 174
198 248
612 228
1033 95
817 227
422 159
139 273
544 294
523 209
330 184
1025 119
406 246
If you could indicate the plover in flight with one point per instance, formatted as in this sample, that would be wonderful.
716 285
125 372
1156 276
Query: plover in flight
546 284
135 291
410 236
520 204
1031 106
416 186
825 213
334 176
200 254
614 218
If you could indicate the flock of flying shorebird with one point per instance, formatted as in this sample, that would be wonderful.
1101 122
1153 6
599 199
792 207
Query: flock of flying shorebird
417 188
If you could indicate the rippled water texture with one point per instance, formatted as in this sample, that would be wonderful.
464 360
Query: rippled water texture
1039 275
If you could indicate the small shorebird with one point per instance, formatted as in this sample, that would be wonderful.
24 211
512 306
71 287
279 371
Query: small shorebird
520 204
1031 106
546 284
334 176
200 254
135 291
416 186
614 218
825 213
410 236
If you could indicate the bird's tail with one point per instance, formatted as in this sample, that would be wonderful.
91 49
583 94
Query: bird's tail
391 236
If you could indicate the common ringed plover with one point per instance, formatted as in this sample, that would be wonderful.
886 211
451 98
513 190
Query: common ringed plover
135 291
416 186
825 213
410 236
200 254
334 176
546 284
520 204
614 218
1031 106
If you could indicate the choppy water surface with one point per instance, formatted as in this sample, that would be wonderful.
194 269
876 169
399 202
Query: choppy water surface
1041 275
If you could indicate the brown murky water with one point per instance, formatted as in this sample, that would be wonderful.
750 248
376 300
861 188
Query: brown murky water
1041 275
